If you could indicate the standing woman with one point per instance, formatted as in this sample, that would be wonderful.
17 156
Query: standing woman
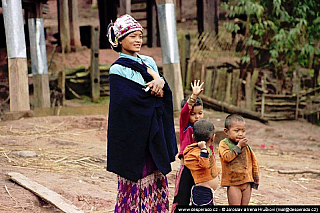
141 140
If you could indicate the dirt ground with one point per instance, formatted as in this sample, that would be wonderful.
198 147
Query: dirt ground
71 157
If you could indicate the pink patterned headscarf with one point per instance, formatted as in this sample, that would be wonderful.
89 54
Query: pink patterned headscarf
124 25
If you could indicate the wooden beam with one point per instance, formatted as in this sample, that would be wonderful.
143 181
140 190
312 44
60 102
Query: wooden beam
48 195
225 107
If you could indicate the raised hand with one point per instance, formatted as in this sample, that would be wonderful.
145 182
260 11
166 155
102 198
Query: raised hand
197 88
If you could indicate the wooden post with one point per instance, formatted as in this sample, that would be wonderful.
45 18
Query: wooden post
62 78
208 83
38 58
64 27
216 83
235 85
125 7
263 96
228 90
94 67
178 10
248 91
18 84
296 80
74 24
221 90
107 12
17 57
211 15
200 15
171 64
187 58
254 79
94 4
184 47
152 36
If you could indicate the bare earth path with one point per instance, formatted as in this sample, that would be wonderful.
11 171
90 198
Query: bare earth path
71 153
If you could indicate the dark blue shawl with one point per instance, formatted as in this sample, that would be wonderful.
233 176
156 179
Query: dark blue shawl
138 121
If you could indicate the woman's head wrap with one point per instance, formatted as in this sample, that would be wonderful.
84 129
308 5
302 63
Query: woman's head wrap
124 25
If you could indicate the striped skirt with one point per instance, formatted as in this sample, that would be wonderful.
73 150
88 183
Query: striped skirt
149 194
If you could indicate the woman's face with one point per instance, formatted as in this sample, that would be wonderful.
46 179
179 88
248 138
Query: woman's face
132 43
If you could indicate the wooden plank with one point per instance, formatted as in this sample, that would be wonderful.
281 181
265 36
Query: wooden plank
50 196
299 171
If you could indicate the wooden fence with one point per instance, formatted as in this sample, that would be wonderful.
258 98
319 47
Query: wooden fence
223 82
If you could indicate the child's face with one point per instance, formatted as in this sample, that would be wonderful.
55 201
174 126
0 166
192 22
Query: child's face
196 114
237 131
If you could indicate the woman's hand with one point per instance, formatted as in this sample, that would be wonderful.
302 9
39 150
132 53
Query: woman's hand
197 88
156 86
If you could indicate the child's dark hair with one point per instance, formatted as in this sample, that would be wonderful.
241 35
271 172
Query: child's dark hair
203 130
198 102
231 118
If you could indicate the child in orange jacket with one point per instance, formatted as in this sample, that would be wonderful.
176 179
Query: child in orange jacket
199 159
240 168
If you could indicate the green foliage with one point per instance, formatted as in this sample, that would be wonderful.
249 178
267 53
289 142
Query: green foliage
289 29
